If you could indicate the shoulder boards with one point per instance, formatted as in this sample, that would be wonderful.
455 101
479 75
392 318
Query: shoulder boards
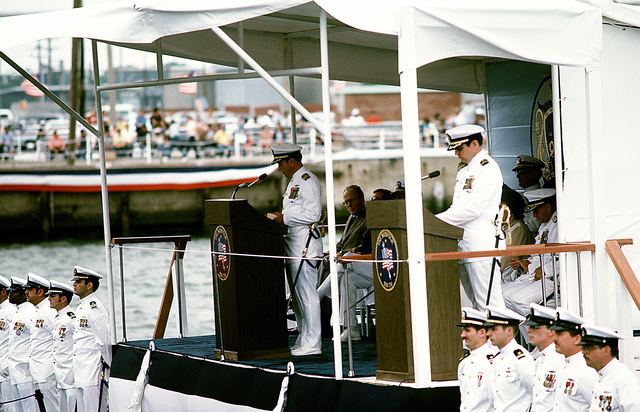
71 315
484 162
466 354
555 219
519 353
305 176
93 304
490 357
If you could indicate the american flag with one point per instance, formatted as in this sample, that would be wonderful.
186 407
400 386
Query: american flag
30 89
188 88
222 248
388 253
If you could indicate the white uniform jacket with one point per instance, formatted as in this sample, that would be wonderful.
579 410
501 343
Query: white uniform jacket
91 341
547 233
476 199
7 310
301 207
548 364
41 343
473 378
63 328
19 337
513 376
618 389
575 385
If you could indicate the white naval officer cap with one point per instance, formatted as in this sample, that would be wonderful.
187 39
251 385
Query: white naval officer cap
284 151
59 288
540 316
539 197
463 134
502 316
18 283
472 317
37 281
597 335
565 320
83 273
4 282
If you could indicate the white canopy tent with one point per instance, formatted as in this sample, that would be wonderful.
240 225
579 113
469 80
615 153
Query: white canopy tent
432 44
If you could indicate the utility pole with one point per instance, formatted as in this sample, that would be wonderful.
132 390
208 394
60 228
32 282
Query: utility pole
76 91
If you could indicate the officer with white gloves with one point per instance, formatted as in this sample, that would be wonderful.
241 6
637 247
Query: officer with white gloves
476 199
41 343
60 295
473 369
92 343
6 313
527 288
301 208
513 368
22 386
618 388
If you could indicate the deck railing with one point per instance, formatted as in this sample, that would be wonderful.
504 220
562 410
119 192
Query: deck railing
175 271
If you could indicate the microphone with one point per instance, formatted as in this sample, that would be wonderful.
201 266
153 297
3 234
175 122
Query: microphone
431 175
245 184
260 178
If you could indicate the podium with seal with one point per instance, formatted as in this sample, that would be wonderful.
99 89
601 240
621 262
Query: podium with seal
387 221
249 291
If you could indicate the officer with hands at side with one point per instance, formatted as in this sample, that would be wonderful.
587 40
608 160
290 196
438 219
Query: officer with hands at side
6 312
60 295
301 208
513 368
19 335
618 388
576 380
548 361
41 344
475 390
92 343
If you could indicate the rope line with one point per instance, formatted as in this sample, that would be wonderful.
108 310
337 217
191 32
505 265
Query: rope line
294 258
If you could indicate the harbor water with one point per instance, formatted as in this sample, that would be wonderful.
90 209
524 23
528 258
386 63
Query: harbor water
145 272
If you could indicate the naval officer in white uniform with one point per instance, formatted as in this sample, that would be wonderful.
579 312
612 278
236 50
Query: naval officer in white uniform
19 335
618 388
528 171
7 309
513 368
473 369
528 288
476 199
576 380
548 360
60 295
91 343
41 344
301 208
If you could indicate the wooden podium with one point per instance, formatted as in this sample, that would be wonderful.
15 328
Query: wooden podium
387 222
249 292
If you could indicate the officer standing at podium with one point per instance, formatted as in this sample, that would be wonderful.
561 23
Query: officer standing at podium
301 208
476 199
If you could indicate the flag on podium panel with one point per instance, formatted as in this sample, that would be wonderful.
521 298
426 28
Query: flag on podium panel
30 89
188 88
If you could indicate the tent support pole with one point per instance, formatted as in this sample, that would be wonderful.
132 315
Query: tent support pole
104 191
331 210
559 173
415 221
